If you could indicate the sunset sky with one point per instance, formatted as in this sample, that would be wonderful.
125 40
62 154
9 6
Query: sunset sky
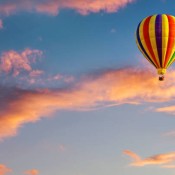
76 95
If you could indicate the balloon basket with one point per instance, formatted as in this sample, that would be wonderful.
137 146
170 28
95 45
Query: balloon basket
161 78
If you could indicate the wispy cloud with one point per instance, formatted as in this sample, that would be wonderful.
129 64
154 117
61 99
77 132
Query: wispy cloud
32 172
168 166
18 66
4 169
165 160
107 88
113 30
12 62
167 109
134 156
169 134
53 7
61 148
1 24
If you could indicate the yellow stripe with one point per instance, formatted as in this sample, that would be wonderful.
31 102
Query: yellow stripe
143 40
165 36
152 36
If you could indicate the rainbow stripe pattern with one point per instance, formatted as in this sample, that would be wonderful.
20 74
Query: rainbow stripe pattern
155 38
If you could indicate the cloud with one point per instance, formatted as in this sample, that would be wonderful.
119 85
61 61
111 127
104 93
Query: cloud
113 30
4 169
169 134
61 77
168 109
160 159
169 166
52 7
134 156
19 67
32 172
1 24
12 62
61 148
101 89
36 73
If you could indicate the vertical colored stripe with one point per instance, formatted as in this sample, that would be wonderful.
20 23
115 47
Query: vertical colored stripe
158 32
141 46
165 36
142 39
147 40
171 60
171 40
153 37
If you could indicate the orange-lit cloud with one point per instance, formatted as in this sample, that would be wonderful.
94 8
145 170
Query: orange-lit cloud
32 172
169 166
133 155
164 160
4 169
168 109
52 7
114 87
12 62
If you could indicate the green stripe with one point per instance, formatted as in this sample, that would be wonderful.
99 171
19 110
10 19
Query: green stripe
171 60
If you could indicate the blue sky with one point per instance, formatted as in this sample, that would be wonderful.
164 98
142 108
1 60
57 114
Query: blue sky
77 97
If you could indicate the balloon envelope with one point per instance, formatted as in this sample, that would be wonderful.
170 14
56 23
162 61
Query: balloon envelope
155 37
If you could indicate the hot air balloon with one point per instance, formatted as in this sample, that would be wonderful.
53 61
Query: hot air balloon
155 38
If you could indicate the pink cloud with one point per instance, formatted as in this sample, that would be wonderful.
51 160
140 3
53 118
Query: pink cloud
1 24
169 134
20 106
32 172
36 73
4 169
160 159
64 78
61 148
49 7
56 77
88 6
68 79
8 8
108 88
52 7
12 62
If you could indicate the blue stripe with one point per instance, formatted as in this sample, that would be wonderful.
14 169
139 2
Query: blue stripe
158 32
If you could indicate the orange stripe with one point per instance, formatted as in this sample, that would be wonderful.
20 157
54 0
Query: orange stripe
171 39
147 39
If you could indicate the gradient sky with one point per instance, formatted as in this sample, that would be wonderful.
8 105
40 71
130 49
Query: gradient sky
76 95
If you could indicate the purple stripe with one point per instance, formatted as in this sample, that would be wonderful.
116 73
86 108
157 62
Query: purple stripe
158 31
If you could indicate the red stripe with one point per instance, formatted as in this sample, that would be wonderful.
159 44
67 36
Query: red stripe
147 39
171 39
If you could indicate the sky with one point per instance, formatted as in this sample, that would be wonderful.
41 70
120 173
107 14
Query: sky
76 95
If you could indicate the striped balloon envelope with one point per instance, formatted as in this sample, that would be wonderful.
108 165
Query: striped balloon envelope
155 38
